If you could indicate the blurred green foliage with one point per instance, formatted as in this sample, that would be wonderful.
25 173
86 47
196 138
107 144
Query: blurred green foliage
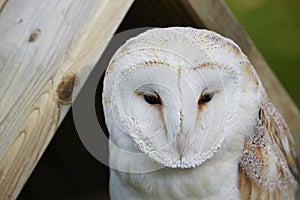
274 26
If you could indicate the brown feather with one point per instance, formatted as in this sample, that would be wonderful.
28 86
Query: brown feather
268 166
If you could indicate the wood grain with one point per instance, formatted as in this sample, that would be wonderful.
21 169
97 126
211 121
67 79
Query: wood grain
43 45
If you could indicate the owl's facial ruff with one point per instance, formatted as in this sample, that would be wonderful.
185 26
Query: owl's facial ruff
176 104
175 123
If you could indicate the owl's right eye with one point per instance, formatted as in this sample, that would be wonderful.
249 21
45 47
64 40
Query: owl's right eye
152 99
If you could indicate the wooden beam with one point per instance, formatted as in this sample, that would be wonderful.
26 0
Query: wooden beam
42 47
215 15
2 4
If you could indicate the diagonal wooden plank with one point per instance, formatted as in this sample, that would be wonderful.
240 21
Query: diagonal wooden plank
2 4
43 45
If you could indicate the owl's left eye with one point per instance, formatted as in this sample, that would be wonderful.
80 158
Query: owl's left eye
205 97
152 99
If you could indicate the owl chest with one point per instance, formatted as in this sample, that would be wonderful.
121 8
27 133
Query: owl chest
214 182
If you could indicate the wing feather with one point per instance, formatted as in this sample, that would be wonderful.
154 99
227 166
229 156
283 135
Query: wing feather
268 166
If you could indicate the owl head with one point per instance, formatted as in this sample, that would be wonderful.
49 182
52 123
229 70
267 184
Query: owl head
179 95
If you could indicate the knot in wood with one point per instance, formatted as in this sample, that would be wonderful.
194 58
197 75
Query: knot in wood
34 35
65 89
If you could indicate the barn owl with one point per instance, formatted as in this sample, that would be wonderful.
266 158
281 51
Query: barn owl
188 100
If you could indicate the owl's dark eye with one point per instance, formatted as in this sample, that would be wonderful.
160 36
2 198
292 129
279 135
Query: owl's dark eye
152 99
205 97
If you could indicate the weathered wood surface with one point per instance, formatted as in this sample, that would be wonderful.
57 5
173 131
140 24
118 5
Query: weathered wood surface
215 15
43 45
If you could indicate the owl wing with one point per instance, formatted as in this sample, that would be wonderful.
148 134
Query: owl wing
268 166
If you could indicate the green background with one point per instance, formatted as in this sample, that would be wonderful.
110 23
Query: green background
274 26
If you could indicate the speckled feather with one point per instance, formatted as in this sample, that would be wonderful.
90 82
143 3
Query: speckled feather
268 167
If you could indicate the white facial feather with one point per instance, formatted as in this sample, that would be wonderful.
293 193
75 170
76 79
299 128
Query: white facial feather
178 66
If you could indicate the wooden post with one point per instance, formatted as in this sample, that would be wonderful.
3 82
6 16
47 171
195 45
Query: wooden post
43 45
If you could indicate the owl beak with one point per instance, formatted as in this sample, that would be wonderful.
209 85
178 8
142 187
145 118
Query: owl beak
180 144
